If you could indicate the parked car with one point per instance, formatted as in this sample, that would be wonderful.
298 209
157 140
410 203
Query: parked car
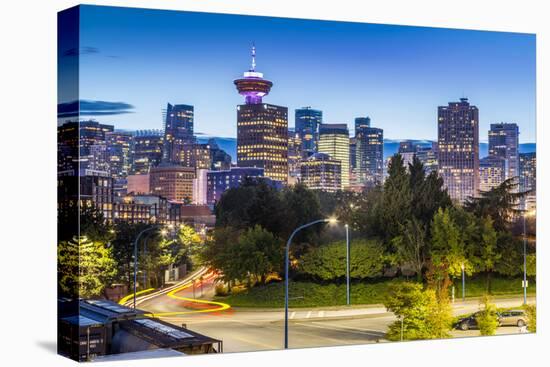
470 322
513 318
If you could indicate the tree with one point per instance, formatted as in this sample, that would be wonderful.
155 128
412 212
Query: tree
218 253
487 319
123 249
500 203
259 253
186 247
396 198
89 221
420 314
488 255
245 255
447 253
301 206
161 252
328 262
511 263
85 268
411 245
531 311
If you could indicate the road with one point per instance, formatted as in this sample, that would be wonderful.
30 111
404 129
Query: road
258 329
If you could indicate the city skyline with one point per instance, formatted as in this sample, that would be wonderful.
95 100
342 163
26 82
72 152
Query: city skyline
382 67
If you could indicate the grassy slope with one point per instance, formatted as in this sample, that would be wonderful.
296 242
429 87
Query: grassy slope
306 294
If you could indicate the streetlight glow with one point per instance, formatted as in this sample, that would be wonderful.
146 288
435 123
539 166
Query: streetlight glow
332 220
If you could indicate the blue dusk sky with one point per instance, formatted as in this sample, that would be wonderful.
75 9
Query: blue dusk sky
397 75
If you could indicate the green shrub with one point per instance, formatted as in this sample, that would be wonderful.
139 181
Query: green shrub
531 311
328 262
487 320
220 290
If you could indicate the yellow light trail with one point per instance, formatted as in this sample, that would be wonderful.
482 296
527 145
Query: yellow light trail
172 294
131 295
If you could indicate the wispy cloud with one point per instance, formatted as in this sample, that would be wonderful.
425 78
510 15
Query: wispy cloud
86 107
86 50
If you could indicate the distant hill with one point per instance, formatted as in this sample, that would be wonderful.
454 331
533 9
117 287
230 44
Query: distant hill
390 146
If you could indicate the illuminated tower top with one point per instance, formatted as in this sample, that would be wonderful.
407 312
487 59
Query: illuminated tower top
252 85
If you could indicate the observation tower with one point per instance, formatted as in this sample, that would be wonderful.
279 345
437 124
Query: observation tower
252 85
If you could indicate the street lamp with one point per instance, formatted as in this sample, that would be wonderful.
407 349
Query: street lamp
525 214
328 220
463 283
154 226
347 266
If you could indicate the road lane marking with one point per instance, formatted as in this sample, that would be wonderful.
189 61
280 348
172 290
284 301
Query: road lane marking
345 328
308 315
293 314
321 314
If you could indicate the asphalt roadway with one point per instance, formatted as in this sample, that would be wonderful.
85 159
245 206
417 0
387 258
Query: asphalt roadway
247 329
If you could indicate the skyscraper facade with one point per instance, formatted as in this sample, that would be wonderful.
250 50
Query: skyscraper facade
369 155
120 145
504 142
219 181
492 172
307 121
528 179
147 150
178 131
295 156
334 141
262 129
321 172
172 182
361 123
458 148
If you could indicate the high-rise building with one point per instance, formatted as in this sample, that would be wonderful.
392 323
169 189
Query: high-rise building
119 152
504 142
220 181
96 190
428 157
172 181
407 150
492 172
178 131
307 121
147 151
200 187
295 156
369 160
195 155
458 148
219 159
361 123
528 178
262 129
76 150
322 172
334 141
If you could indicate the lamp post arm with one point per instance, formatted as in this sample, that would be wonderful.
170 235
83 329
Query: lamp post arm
136 256
287 248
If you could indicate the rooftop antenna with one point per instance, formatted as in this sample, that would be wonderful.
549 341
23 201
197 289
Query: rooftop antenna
253 57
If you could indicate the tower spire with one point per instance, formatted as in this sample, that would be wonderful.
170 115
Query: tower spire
253 57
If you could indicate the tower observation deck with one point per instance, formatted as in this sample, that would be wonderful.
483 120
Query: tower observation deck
252 85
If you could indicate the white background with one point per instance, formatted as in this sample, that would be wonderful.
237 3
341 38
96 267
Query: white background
28 179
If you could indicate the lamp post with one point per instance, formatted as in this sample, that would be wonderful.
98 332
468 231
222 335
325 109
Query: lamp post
347 266
136 256
331 220
463 283
525 215
402 327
